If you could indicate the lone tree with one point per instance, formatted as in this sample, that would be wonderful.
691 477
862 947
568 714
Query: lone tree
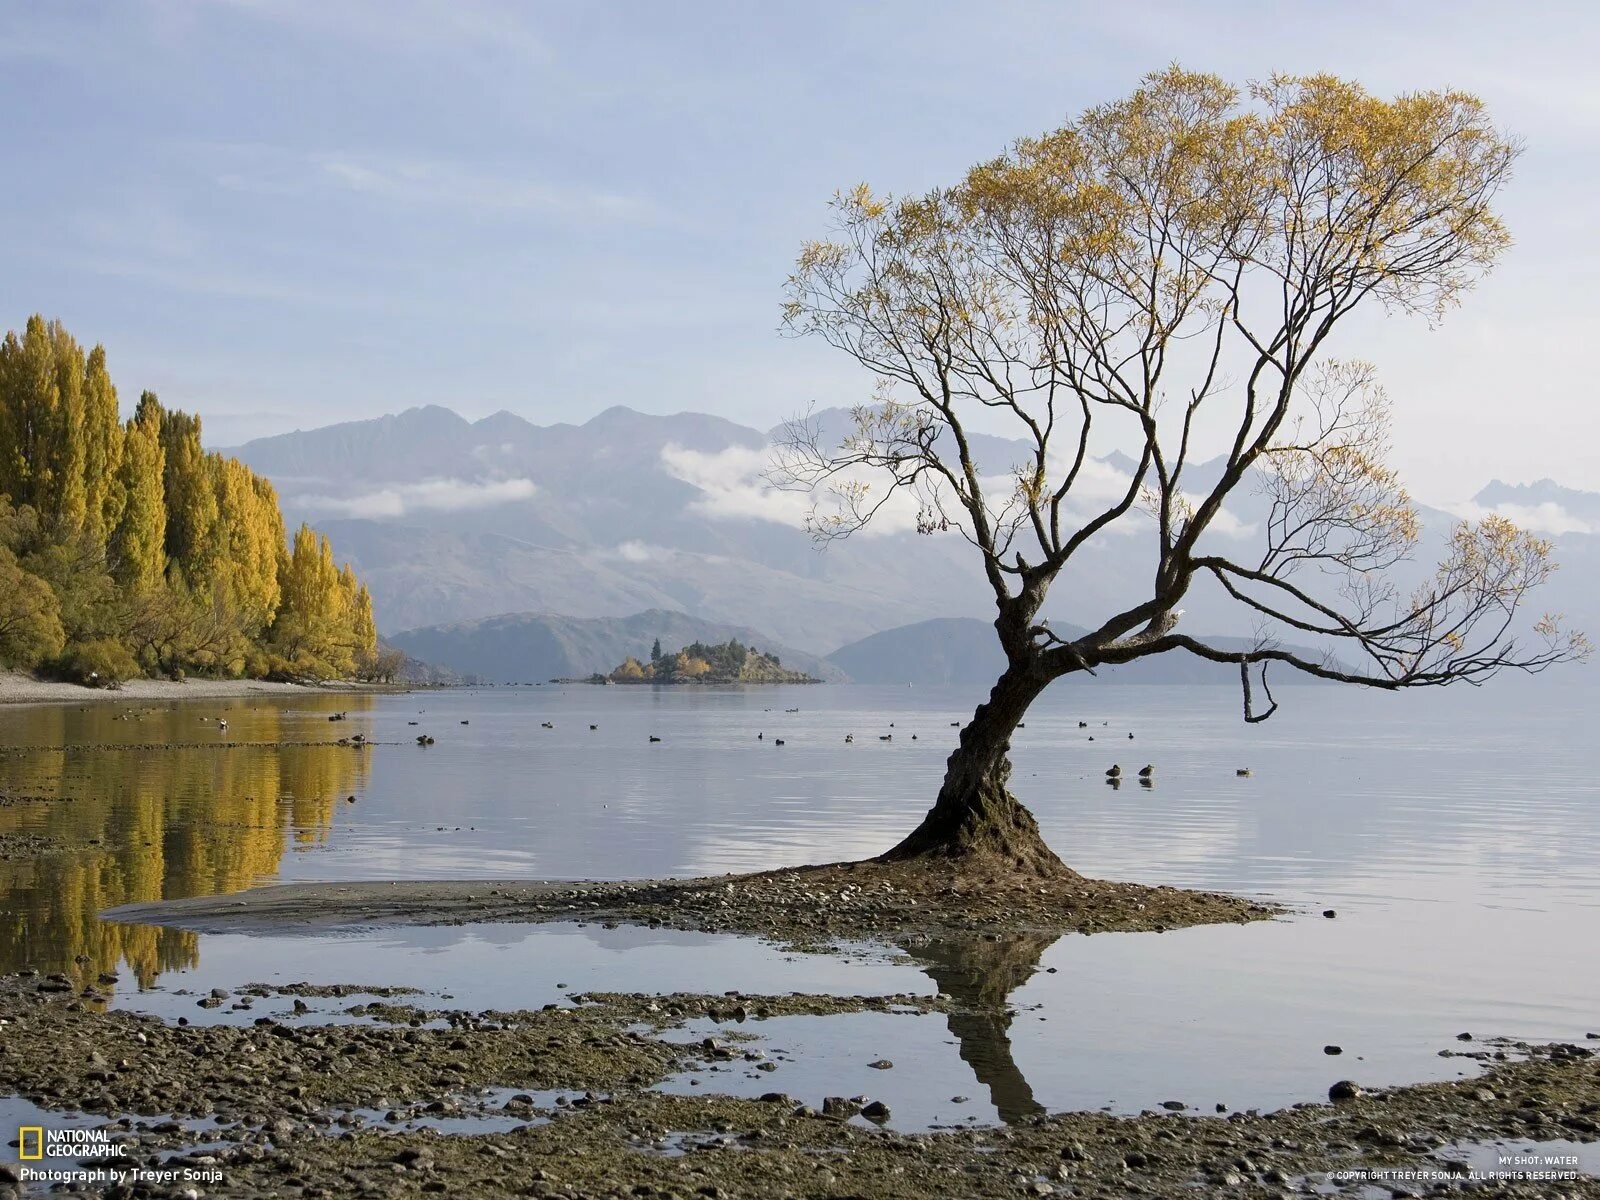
1163 273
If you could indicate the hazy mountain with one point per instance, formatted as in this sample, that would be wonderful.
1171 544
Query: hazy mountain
415 671
965 650
1565 509
535 647
449 519
452 520
943 650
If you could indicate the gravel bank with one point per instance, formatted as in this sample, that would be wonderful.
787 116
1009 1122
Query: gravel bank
804 906
19 688
312 1109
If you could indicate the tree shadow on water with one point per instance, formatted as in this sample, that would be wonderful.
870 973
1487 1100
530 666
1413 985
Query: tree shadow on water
978 974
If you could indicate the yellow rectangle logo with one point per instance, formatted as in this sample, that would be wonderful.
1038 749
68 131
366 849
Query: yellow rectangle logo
35 1133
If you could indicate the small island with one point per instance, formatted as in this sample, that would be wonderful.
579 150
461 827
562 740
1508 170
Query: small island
699 663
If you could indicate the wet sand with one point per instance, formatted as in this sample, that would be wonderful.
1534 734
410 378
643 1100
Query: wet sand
804 906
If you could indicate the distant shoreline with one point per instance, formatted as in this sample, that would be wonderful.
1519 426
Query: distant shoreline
20 688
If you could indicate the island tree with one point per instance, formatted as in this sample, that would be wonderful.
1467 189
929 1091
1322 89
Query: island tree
1165 273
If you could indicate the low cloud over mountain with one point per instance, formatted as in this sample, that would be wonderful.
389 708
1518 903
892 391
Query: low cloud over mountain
452 520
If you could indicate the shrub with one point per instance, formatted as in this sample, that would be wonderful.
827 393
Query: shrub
104 662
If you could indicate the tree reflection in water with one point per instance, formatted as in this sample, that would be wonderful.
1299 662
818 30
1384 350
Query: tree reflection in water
136 825
979 972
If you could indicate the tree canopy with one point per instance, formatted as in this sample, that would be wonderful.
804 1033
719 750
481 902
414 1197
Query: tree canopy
1169 270
127 547
1164 277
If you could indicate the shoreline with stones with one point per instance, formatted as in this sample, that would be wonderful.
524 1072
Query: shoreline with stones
806 907
300 1105
20 688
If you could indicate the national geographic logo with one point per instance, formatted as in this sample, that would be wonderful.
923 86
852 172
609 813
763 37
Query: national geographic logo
36 1144
80 1159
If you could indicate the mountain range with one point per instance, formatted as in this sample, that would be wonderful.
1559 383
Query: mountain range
452 521
537 647
964 650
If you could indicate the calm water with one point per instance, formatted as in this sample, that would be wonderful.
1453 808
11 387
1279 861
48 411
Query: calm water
1457 834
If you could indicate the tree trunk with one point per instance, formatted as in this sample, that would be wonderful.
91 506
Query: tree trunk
976 821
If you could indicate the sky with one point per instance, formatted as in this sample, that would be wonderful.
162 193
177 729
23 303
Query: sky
286 213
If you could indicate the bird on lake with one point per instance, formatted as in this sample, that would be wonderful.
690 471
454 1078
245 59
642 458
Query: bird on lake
1115 772
848 738
761 736
1130 737
886 737
777 741
221 724
594 727
1146 771
654 738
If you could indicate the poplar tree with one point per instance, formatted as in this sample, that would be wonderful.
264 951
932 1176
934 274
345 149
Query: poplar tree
102 450
129 547
191 498
41 393
138 555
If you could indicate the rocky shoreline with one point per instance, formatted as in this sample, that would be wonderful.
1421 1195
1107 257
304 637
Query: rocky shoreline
809 907
18 687
304 1105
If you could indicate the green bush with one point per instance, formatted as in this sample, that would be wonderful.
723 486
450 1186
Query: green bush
104 662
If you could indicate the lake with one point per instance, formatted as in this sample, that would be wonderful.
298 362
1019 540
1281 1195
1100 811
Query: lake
1456 834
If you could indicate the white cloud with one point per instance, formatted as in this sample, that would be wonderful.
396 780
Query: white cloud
430 495
455 185
732 488
642 552
1100 485
1548 517
635 552
417 181
1225 523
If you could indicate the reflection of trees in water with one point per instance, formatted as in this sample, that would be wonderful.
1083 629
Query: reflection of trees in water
979 973
151 825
